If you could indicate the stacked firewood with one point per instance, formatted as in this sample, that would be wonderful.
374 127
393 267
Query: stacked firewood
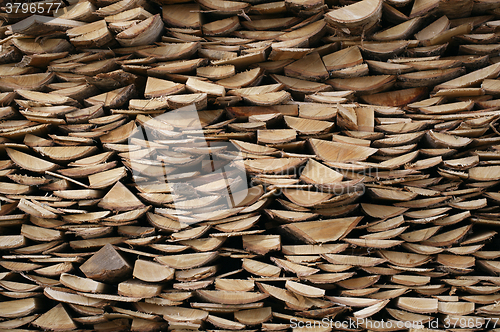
302 165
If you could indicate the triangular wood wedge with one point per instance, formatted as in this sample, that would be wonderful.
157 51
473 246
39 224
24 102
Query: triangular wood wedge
336 152
310 67
322 231
119 198
156 88
187 261
355 18
231 297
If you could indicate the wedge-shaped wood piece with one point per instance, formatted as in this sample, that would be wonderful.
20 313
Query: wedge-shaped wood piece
345 58
400 31
273 166
408 316
371 310
211 89
19 308
279 293
337 152
308 126
298 269
46 98
306 198
312 32
138 289
231 297
240 80
253 317
404 259
156 88
260 268
112 99
268 99
442 140
184 15
316 173
354 301
364 85
353 260
447 238
418 305
168 52
420 235
63 153
50 45
322 231
29 162
26 82
356 17
472 79
304 290
234 284
397 98
106 265
187 261
221 27
428 77
82 284
143 33
224 323
40 233
456 308
261 244
120 198
382 211
299 86
374 243
310 67
151 271
448 108
487 173
254 148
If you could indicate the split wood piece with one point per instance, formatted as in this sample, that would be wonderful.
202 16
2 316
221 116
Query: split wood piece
247 78
253 317
231 297
167 52
364 85
112 99
300 87
260 268
337 152
82 284
157 88
119 198
355 18
187 261
322 231
298 269
261 244
472 79
310 67
106 265
151 271
143 33
418 305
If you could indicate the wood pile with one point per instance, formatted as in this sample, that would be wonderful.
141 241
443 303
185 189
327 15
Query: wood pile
227 165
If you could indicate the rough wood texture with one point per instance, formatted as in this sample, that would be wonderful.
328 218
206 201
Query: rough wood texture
221 165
